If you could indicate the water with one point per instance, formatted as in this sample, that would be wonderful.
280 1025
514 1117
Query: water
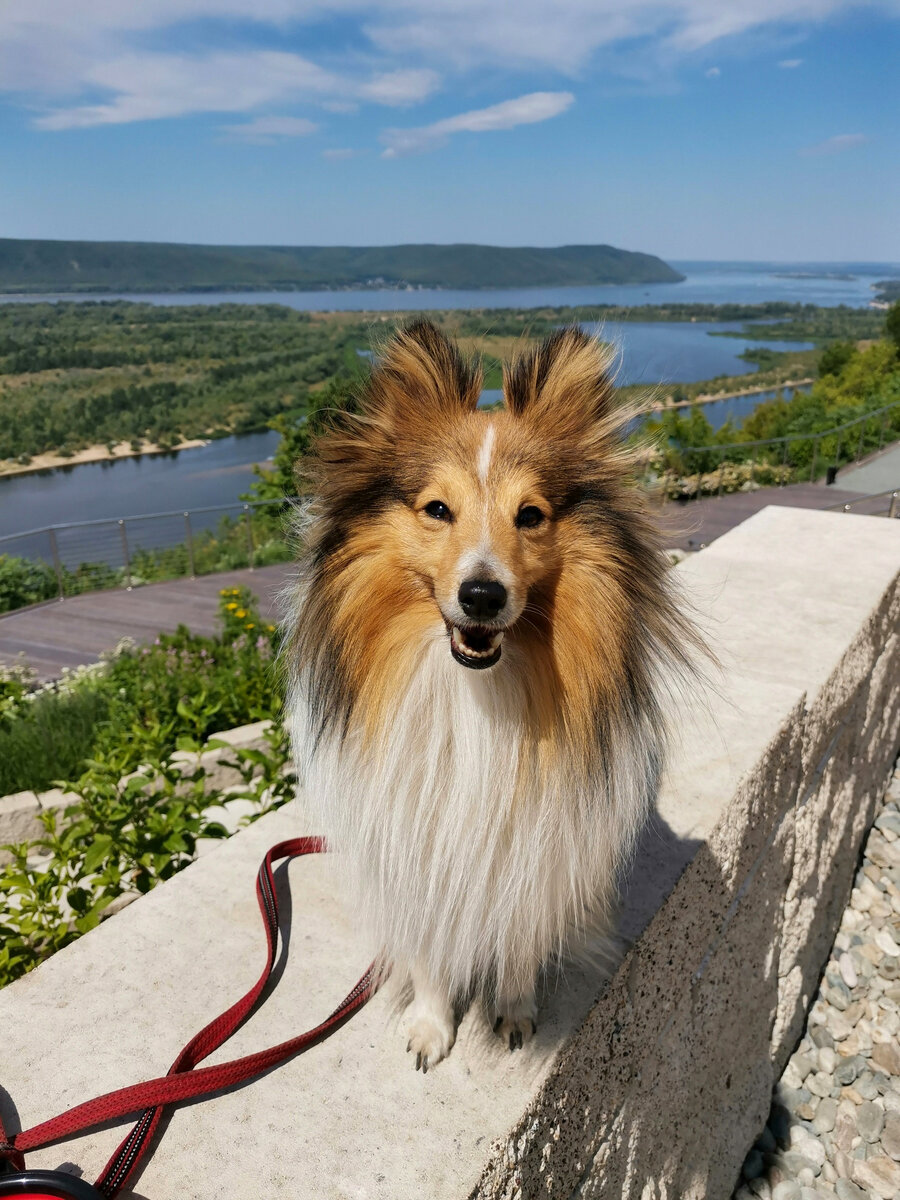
705 283
683 352
215 474
649 353
737 408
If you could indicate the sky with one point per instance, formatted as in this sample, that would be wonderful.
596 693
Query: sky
692 129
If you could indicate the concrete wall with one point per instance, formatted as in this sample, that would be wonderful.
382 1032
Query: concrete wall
651 1086
666 1084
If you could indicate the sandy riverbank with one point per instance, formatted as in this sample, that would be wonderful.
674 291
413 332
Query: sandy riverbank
44 462
711 398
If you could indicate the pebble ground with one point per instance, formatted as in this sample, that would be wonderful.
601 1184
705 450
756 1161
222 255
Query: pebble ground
834 1127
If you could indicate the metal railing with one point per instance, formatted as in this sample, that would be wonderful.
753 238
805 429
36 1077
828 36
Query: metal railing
887 504
878 419
81 556
70 558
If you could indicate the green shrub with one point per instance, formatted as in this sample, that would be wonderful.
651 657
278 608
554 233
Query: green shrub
141 700
23 581
123 835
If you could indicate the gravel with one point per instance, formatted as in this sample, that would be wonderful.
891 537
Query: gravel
834 1126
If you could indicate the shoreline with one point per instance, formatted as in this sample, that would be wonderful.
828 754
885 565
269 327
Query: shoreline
99 453
712 398
51 461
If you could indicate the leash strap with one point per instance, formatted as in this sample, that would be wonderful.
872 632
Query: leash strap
183 1081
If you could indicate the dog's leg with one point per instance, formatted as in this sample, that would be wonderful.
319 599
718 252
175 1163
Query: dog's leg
432 1029
516 1018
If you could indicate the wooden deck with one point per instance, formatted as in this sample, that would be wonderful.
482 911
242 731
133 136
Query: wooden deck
60 634
66 633
696 523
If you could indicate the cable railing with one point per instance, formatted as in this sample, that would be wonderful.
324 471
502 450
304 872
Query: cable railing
712 470
69 558
878 504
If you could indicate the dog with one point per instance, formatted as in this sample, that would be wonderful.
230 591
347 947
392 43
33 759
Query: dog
478 646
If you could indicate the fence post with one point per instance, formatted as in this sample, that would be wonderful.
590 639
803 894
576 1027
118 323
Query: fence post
190 543
124 534
57 565
249 536
892 511
862 430
721 474
883 428
812 469
784 453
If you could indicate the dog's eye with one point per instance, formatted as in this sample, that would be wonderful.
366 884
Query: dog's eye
439 510
529 516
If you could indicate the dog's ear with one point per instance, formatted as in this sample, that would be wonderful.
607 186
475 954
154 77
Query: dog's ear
564 383
421 376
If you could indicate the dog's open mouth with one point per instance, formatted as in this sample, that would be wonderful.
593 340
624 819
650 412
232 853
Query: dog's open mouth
476 647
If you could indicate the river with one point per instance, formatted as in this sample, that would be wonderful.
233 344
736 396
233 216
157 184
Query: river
704 283
648 352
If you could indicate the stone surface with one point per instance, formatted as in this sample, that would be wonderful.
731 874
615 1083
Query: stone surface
734 906
881 1175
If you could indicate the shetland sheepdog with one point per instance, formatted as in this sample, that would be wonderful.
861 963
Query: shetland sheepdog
482 628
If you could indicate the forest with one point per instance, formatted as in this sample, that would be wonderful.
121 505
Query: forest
58 266
75 374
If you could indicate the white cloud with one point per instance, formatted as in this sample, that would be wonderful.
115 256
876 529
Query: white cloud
836 144
790 64
713 73
147 87
339 152
524 110
399 87
93 62
266 131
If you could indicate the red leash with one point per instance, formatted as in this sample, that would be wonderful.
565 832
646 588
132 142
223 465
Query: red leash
183 1082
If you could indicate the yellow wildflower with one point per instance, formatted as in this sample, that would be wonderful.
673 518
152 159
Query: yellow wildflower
249 625
231 607
241 613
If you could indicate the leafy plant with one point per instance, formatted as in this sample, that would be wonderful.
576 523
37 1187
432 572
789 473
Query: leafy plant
124 834
141 700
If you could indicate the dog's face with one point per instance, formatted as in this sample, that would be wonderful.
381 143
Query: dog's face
504 535
480 533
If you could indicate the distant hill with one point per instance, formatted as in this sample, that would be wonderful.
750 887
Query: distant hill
887 291
51 266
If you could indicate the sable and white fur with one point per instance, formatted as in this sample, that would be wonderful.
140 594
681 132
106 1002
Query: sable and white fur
482 815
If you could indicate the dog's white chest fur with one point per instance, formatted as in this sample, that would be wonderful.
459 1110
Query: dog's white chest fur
461 857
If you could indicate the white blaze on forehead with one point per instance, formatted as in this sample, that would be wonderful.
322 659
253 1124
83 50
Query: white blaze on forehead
484 454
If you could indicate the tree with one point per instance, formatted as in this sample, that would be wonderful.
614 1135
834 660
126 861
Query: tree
892 323
835 357
298 431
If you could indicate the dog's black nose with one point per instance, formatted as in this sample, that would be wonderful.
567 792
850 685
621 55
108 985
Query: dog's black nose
481 599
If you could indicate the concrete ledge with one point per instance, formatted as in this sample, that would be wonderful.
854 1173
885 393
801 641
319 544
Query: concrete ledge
655 1089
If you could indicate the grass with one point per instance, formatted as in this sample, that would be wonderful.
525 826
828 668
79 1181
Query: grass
50 745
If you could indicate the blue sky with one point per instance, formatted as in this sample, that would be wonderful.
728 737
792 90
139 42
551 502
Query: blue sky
740 129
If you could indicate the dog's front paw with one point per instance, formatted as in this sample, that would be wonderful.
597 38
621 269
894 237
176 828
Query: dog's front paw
516 1024
431 1038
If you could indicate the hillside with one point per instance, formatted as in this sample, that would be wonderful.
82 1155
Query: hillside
57 266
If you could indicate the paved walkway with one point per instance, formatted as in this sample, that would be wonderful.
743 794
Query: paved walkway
695 523
880 473
66 633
